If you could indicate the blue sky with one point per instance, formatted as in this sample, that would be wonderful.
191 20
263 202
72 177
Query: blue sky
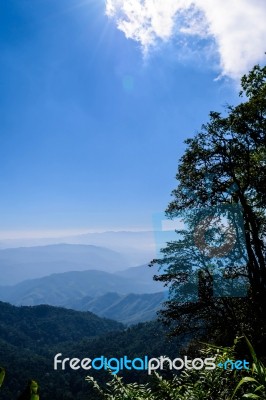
92 122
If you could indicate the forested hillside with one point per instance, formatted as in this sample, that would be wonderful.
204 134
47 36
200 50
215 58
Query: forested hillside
31 336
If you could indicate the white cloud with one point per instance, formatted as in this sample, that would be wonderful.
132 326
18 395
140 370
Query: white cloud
237 26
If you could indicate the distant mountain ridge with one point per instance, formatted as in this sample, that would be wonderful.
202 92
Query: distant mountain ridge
75 276
128 309
57 289
129 296
137 247
19 264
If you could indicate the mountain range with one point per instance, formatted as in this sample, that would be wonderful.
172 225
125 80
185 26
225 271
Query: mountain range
121 296
129 309
19 264
136 247
50 325
30 337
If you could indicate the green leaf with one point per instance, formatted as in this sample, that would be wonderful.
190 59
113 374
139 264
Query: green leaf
247 379
2 376
34 397
259 388
243 380
252 351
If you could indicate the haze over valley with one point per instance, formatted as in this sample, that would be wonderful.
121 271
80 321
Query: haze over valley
84 277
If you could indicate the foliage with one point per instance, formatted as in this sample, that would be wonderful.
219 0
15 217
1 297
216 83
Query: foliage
50 324
216 267
31 336
257 381
189 385
119 390
31 391
2 375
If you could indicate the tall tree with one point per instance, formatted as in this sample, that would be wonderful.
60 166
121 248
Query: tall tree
221 196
